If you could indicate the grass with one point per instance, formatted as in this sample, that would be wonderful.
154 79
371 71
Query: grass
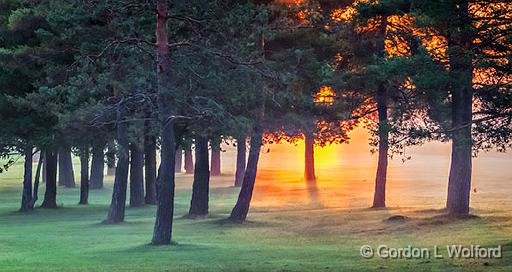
295 236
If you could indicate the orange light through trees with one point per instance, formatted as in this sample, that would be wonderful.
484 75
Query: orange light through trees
325 96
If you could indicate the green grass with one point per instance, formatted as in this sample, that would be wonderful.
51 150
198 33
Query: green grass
300 237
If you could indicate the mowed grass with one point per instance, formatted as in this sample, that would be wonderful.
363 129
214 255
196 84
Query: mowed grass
293 237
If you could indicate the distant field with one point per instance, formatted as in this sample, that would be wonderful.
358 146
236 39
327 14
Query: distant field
291 227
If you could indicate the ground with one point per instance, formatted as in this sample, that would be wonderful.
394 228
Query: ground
291 227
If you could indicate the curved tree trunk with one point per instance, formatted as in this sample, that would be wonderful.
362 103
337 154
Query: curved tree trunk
66 173
162 232
201 185
189 161
241 161
461 72
239 212
309 157
84 176
215 163
97 167
150 169
118 204
50 196
26 197
178 161
136 176
379 199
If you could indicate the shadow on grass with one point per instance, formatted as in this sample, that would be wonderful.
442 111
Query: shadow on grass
226 222
174 246
447 219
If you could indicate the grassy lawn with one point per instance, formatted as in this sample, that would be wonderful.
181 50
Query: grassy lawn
293 237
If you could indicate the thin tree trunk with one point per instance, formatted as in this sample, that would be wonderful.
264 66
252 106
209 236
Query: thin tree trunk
201 185
461 72
379 199
239 212
44 169
36 180
97 167
178 161
189 161
215 163
381 97
50 196
118 204
241 161
84 176
309 157
162 233
136 176
66 173
150 169
111 158
26 197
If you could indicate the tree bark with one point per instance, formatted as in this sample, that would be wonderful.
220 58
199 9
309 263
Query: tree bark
162 233
84 176
178 161
189 161
136 176
201 185
461 73
309 157
36 180
97 167
26 197
150 169
111 158
381 97
379 198
239 212
50 196
66 173
44 169
118 204
215 163
241 161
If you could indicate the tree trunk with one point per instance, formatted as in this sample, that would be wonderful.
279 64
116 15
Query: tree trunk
84 176
241 162
178 161
136 176
150 169
97 167
379 199
215 163
201 185
36 180
162 233
66 173
26 197
50 196
309 157
381 97
118 204
44 169
239 212
189 161
461 73
111 158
